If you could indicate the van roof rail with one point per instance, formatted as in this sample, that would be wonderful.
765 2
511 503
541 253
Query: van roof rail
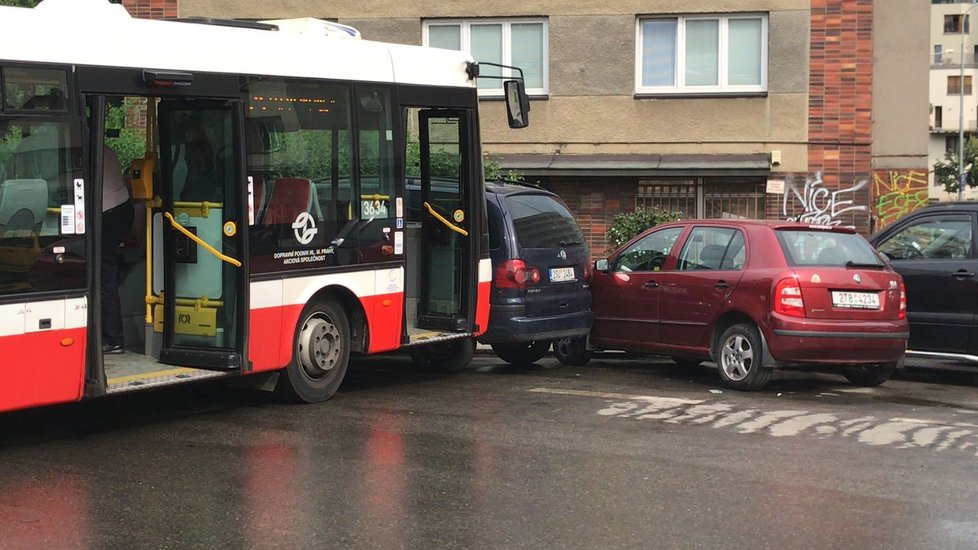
505 181
237 23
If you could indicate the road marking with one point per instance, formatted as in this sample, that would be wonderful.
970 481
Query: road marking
896 432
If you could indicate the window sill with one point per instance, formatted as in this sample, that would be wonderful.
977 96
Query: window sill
702 95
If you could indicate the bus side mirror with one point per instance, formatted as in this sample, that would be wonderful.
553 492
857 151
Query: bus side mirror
517 103
601 265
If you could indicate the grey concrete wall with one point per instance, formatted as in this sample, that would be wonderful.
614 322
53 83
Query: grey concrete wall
592 106
901 54
380 9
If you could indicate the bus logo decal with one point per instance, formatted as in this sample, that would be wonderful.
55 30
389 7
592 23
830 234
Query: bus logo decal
304 227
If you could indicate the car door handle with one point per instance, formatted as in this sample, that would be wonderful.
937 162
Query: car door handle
651 284
962 274
721 285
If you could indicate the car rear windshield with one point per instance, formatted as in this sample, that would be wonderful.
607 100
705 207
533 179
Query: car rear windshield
813 247
541 221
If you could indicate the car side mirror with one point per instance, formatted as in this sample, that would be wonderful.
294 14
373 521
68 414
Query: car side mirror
517 103
602 265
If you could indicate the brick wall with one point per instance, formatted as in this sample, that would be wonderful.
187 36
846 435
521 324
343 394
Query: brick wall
151 9
840 118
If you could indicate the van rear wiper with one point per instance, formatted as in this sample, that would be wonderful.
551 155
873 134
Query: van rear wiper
858 265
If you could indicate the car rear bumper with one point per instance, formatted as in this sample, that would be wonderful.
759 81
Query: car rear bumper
509 324
837 343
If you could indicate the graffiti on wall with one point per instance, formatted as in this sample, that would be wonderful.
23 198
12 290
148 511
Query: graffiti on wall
812 202
898 193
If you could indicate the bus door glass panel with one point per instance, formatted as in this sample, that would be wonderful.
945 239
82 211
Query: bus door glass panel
445 228
196 232
42 242
303 201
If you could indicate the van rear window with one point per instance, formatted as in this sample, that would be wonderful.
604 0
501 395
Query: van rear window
541 221
826 248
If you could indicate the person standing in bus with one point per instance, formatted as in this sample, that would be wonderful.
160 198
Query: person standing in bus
202 183
117 218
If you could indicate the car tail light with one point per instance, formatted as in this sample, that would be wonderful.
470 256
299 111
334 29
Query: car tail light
902 313
515 274
788 299
587 272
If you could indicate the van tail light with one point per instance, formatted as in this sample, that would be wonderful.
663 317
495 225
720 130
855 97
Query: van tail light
587 272
788 299
902 313
515 274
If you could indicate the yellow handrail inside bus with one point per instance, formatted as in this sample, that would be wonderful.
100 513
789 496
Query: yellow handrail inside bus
201 242
197 303
447 223
149 261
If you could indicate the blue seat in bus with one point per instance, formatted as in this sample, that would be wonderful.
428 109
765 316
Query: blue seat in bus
23 204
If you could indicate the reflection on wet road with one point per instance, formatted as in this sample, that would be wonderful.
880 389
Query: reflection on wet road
622 454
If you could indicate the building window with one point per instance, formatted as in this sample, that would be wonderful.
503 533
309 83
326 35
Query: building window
938 54
713 198
938 117
954 85
668 195
518 42
951 144
702 54
952 23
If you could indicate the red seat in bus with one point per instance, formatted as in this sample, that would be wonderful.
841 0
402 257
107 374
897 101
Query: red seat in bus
290 197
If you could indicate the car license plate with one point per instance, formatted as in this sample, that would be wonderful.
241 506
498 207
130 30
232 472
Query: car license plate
855 300
561 274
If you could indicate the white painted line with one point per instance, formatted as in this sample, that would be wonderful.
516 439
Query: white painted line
607 395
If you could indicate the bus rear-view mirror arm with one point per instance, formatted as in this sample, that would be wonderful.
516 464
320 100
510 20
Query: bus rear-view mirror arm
514 91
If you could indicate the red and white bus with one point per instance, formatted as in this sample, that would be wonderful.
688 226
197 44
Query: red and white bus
342 210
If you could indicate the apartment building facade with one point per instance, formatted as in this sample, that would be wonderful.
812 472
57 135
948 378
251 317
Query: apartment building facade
953 66
781 109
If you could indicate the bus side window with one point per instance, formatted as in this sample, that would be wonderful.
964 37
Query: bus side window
42 246
305 156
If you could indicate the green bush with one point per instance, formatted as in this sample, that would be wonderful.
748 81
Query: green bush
628 224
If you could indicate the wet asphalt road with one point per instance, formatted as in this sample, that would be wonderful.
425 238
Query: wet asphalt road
619 454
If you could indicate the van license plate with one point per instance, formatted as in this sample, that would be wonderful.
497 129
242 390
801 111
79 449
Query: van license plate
561 274
855 300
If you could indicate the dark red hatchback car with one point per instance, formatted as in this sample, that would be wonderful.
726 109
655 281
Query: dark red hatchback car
751 296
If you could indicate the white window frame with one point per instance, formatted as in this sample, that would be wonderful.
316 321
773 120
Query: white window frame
465 26
679 88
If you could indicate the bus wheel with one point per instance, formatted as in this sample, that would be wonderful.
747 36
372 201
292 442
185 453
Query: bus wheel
320 354
448 356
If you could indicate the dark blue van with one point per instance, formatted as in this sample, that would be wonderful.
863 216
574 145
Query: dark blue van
541 272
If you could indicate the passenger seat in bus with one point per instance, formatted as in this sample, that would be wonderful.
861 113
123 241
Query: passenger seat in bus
289 198
23 204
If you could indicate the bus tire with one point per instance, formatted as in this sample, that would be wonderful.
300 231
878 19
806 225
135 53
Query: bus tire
320 354
450 356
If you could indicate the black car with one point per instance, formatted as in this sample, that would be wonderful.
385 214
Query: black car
934 250
541 270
